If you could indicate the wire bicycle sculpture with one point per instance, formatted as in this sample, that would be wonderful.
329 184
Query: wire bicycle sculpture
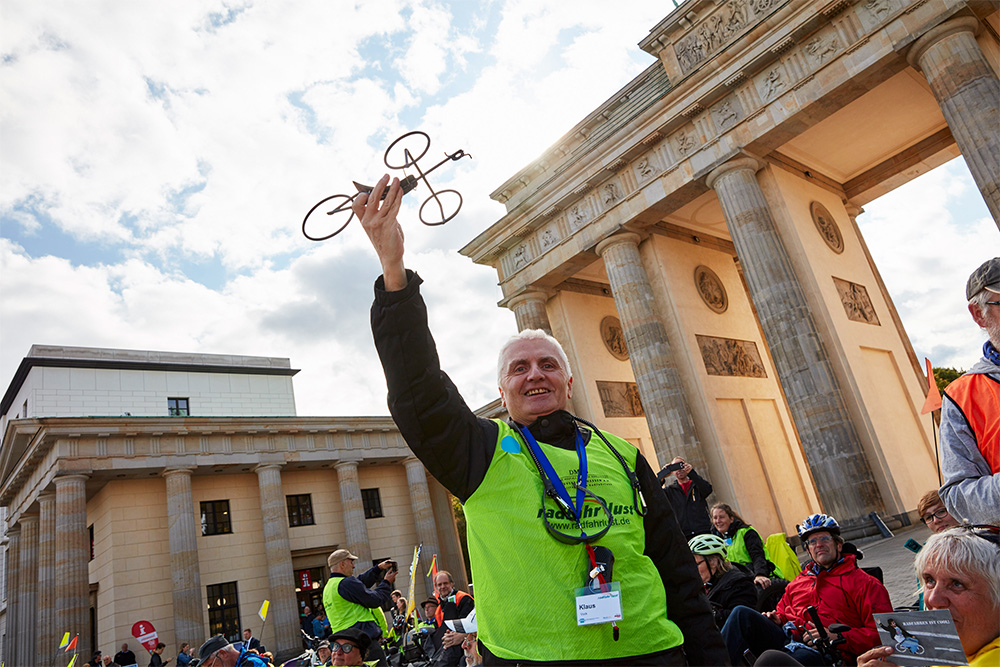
336 212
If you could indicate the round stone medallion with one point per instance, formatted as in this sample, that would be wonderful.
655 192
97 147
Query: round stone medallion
710 289
827 227
614 337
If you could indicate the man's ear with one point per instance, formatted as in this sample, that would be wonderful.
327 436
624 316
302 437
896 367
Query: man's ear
503 399
569 388
977 315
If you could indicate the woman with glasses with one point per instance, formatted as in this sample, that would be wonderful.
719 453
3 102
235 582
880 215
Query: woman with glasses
960 571
726 586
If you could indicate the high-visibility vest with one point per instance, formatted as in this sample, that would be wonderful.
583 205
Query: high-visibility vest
977 395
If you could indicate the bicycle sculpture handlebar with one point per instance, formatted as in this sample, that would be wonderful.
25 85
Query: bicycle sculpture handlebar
330 212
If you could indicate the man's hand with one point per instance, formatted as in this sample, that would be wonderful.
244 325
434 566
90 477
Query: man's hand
762 581
876 657
379 221
811 634
385 565
773 616
452 638
390 576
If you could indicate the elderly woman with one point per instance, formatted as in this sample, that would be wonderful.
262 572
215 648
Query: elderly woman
726 586
960 571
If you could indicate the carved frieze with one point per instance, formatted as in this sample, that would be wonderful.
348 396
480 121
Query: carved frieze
620 399
611 193
731 357
685 142
646 166
711 289
579 215
857 305
727 114
549 236
827 227
821 48
718 29
614 337
772 83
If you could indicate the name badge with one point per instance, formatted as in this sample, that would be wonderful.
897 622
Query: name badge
600 605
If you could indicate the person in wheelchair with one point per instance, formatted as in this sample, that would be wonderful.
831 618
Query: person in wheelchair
727 586
831 582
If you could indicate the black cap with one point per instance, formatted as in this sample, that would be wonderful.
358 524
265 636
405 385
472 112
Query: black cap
211 646
360 639
986 276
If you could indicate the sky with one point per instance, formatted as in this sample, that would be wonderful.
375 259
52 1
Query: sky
157 159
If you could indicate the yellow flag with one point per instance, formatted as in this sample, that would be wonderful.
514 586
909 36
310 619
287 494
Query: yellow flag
65 640
72 661
411 604
263 610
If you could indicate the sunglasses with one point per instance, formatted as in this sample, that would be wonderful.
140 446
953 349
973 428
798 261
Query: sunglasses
342 648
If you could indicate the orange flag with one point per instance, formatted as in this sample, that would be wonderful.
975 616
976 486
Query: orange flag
933 401
72 644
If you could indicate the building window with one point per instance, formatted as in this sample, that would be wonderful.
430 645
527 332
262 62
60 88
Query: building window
300 510
373 503
178 407
90 529
224 611
215 518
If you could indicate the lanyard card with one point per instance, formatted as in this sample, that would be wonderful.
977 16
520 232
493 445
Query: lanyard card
602 605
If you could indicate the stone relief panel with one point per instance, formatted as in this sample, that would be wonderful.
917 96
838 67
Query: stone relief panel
718 29
611 193
685 142
873 12
727 114
772 83
646 166
518 257
821 48
620 399
711 289
579 215
827 227
614 338
731 357
857 305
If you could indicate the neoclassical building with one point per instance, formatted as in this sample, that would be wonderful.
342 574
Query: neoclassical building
183 490
693 244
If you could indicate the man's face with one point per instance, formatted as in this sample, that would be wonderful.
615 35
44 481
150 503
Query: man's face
990 320
533 381
430 610
352 658
247 635
823 548
443 585
324 654
346 567
224 657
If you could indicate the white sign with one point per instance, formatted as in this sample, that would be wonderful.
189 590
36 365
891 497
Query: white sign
602 606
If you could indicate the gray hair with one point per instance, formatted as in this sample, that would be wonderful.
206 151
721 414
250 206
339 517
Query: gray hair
963 553
980 299
532 334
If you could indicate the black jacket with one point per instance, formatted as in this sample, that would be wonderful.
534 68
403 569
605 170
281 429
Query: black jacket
733 588
759 563
691 509
456 446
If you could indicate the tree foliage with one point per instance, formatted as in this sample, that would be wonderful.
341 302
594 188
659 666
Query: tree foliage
945 376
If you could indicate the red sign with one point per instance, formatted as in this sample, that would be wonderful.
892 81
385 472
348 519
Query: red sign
146 634
305 581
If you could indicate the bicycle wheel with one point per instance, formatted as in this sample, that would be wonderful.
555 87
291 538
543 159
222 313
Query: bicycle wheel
416 147
440 211
327 214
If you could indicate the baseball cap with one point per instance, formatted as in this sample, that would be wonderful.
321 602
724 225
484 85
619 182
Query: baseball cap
339 556
987 276
211 646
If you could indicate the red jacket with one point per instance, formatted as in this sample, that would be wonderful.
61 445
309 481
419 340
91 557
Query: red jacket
843 594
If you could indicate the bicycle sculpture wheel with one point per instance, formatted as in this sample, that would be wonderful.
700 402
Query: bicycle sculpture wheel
331 216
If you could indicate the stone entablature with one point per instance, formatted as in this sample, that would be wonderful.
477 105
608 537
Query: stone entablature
662 156
38 449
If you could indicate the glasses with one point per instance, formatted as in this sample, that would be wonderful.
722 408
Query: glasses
701 561
993 303
342 648
936 514
813 541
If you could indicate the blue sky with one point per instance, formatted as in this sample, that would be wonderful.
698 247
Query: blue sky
158 158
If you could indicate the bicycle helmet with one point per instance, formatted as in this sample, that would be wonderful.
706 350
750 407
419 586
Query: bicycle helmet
817 522
703 545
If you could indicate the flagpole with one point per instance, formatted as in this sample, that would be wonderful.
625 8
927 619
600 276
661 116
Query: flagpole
937 454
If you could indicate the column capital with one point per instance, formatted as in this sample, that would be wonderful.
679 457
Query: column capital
539 296
936 34
622 237
28 519
184 470
65 478
410 460
46 497
260 467
744 162
853 210
14 529
349 463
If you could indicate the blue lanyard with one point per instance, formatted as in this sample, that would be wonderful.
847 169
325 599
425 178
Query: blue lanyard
991 353
560 488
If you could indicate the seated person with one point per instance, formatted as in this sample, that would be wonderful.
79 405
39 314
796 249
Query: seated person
324 653
218 652
726 586
960 571
743 543
350 646
833 583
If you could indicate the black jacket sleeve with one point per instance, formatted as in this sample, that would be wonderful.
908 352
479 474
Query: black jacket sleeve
700 483
687 605
452 443
352 590
755 547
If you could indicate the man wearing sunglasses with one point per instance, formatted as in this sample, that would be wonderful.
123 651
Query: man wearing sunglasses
970 413
544 493
834 584
349 647
218 652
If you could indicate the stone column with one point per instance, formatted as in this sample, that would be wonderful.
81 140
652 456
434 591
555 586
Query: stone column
281 577
968 91
47 632
667 411
832 447
423 517
185 572
72 556
11 655
355 528
529 311
28 590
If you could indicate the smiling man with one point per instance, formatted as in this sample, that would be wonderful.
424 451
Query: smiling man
545 494
834 584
